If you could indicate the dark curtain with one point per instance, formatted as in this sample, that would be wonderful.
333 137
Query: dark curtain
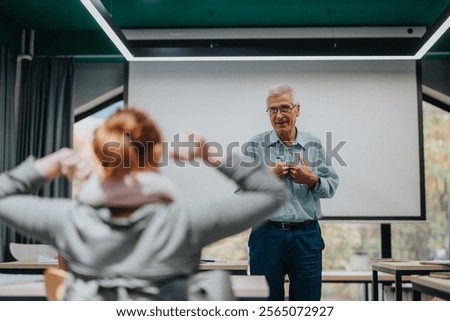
7 126
46 112
45 119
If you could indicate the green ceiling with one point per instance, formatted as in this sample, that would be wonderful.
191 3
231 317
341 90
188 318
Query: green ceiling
63 27
273 13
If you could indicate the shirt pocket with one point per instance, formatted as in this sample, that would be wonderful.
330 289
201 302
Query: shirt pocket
302 190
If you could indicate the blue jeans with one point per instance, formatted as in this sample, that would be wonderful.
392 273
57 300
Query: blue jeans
275 252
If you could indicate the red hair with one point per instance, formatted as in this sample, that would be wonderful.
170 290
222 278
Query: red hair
126 143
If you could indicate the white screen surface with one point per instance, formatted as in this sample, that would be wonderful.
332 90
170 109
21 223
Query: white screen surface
371 105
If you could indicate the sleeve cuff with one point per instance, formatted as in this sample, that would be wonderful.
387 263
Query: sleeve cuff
317 186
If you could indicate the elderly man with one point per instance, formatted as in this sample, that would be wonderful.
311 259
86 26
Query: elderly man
290 242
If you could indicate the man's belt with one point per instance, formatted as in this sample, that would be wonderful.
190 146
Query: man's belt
290 225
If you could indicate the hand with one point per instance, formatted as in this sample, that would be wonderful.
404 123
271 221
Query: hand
63 162
280 169
73 167
187 147
303 174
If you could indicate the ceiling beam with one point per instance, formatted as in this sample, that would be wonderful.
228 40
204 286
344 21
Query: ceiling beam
274 33
350 44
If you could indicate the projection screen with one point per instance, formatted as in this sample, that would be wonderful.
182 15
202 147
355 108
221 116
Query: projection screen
371 111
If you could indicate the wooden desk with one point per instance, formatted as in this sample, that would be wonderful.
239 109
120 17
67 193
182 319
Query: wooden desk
354 277
34 267
364 277
25 267
233 267
245 287
399 270
429 285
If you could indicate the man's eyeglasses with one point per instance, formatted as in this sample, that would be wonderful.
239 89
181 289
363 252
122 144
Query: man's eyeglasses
283 110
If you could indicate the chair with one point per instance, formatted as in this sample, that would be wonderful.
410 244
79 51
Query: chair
32 252
54 283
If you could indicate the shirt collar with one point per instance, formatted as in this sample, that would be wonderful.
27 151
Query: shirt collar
274 139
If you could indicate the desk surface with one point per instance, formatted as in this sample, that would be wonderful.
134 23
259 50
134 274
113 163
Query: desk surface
392 267
327 276
244 287
356 277
401 269
216 265
32 265
225 265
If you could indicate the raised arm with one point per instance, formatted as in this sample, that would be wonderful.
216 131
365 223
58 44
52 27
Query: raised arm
24 179
261 194
27 177
33 215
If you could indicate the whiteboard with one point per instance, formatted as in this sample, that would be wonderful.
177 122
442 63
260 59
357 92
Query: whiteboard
372 106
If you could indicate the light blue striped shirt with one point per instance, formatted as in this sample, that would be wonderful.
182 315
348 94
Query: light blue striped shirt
303 202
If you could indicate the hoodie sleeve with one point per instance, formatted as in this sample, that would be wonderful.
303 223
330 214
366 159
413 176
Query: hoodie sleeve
261 194
24 179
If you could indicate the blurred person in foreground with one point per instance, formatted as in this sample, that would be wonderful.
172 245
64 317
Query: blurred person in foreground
126 237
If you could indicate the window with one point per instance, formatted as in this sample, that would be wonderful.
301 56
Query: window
348 247
430 240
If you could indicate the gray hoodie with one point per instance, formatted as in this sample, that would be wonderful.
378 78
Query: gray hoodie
124 258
